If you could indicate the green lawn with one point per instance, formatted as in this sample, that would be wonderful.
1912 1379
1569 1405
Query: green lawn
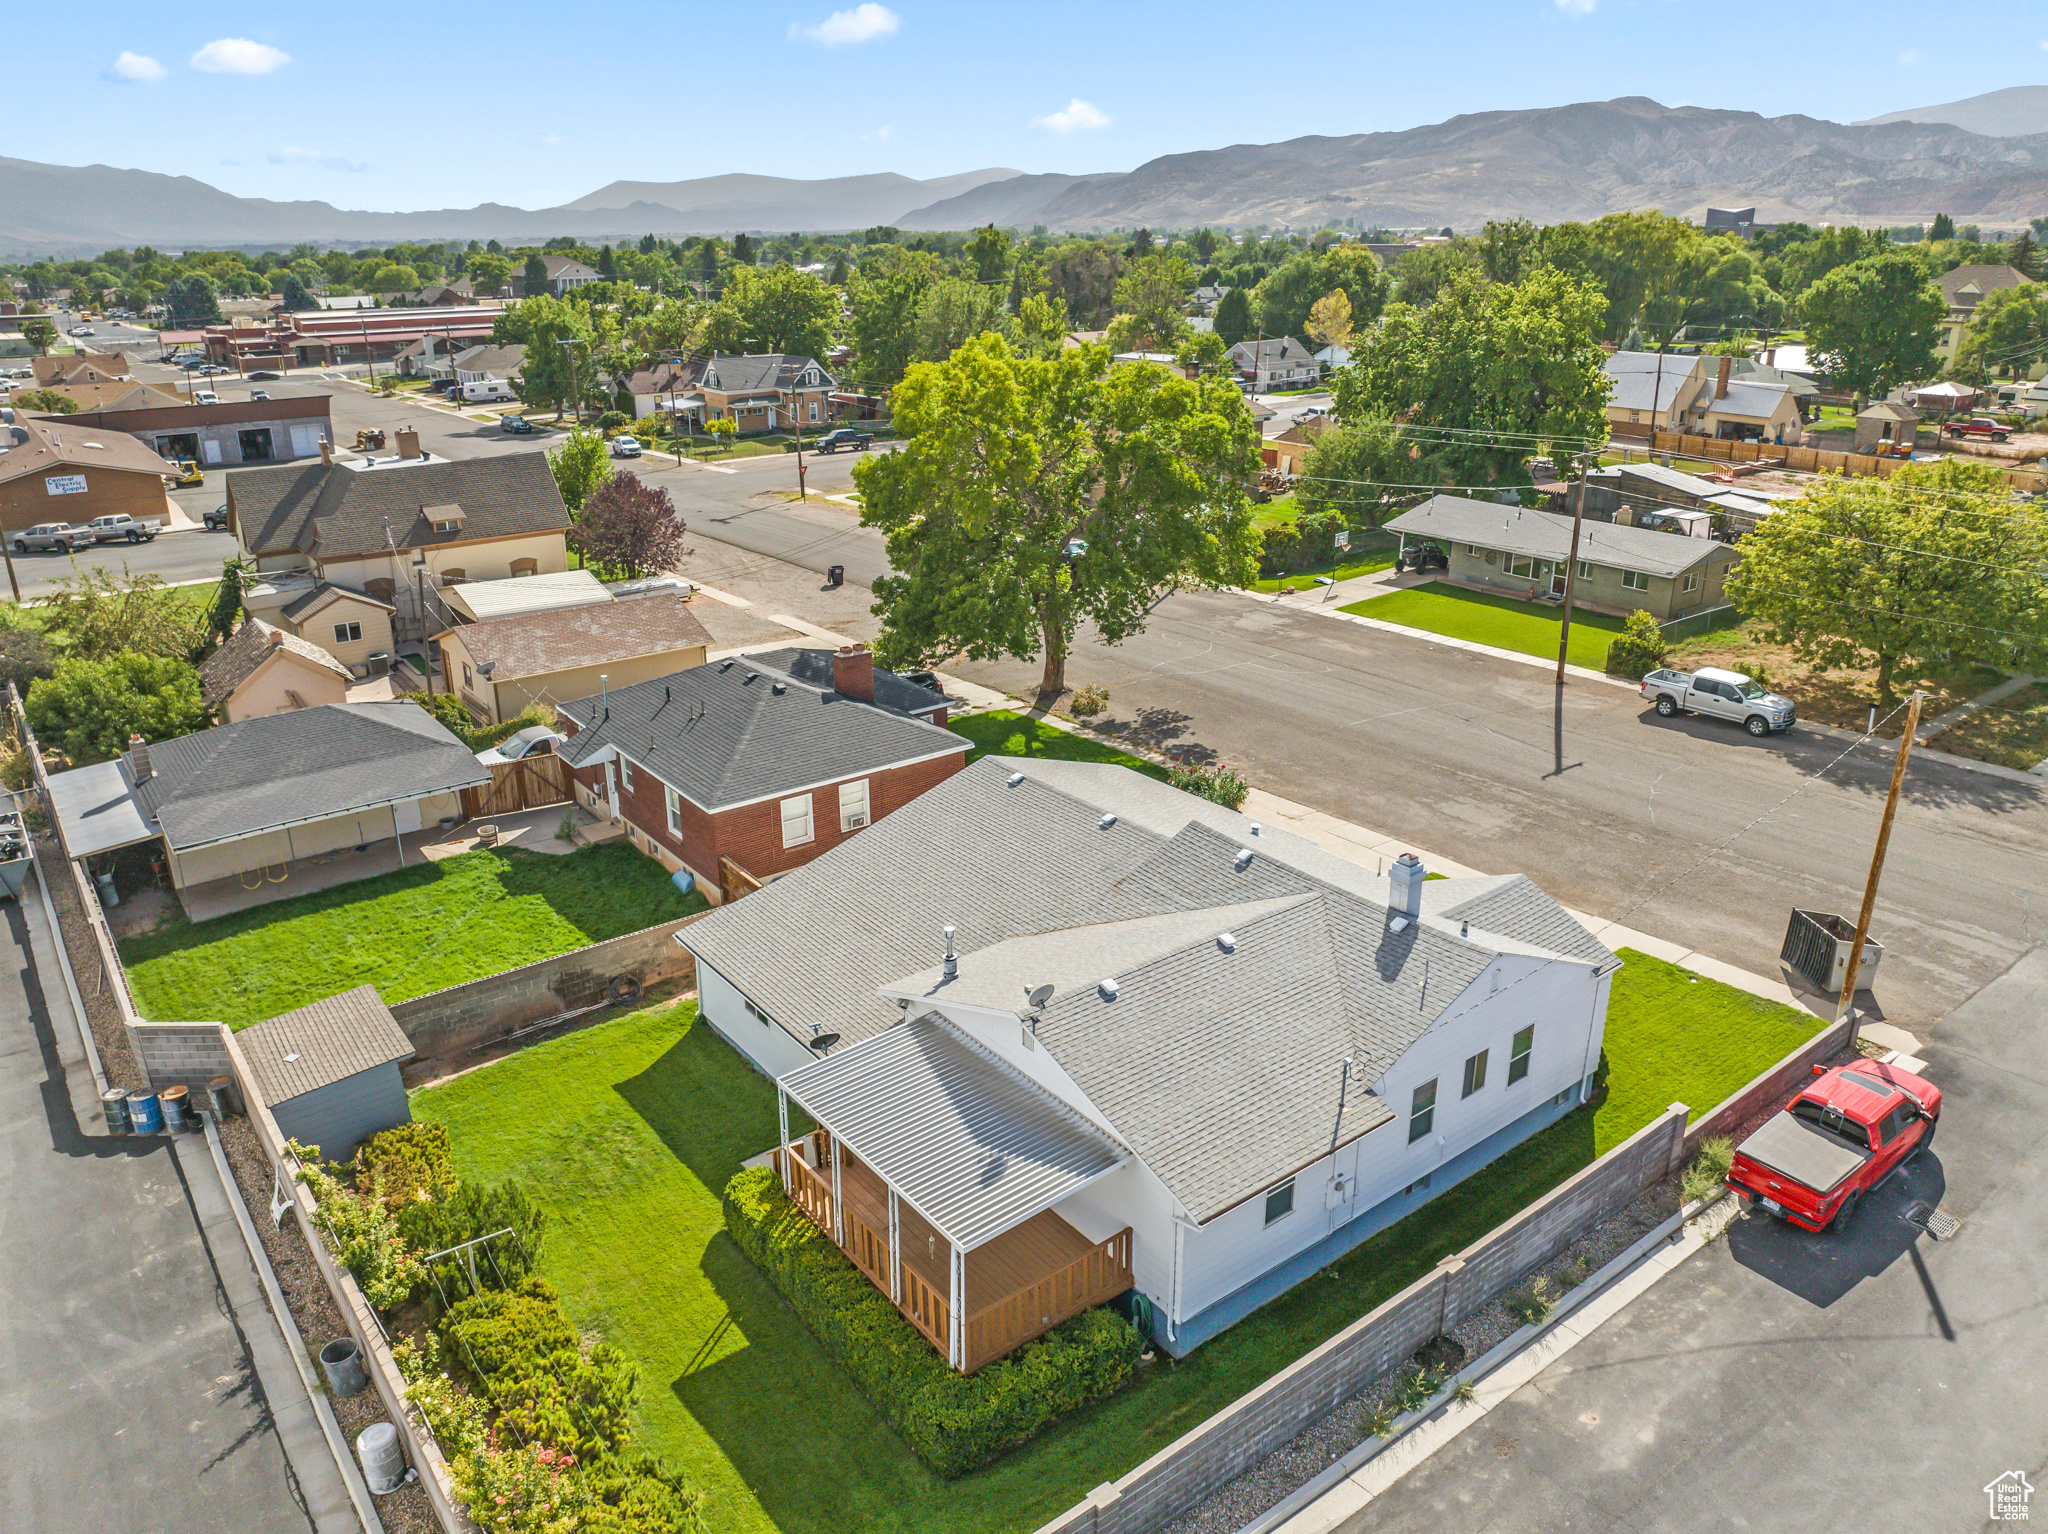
407 932
1005 732
1530 628
1360 561
627 1132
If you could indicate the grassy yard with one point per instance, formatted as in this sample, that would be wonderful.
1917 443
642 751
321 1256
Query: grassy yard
1004 732
1530 628
2013 732
407 932
628 1131
1362 560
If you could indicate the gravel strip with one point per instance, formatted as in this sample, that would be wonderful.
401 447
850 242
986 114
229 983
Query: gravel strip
102 1013
1236 1503
407 1510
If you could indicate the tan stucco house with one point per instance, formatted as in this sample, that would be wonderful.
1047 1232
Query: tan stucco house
499 667
267 670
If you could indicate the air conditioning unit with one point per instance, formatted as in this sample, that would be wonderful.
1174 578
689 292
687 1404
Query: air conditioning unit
853 822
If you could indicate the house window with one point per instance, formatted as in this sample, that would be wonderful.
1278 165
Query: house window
447 527
1475 1074
1472 548
1690 583
347 633
1585 571
1635 580
1421 1111
673 803
625 774
1635 415
853 805
1280 1201
814 410
796 821
465 673
1518 566
1421 1184
1518 1053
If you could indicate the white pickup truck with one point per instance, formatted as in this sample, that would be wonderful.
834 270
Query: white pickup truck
1719 695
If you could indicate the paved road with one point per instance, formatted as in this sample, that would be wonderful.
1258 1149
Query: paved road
1778 1380
127 1398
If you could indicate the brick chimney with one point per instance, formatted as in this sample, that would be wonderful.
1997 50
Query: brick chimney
853 672
326 453
275 637
1721 382
409 442
138 757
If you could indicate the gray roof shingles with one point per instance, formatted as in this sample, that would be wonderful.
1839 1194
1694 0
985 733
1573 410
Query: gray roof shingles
249 647
1546 535
815 667
315 1046
333 511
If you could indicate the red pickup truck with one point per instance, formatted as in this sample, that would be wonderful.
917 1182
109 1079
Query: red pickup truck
1812 1164
1978 426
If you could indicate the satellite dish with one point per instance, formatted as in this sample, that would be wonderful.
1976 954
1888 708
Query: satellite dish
823 1042
1038 995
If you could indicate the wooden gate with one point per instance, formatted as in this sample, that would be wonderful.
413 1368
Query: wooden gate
524 785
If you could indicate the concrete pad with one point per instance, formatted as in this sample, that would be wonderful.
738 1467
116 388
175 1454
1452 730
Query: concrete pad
1891 1036
1911 1063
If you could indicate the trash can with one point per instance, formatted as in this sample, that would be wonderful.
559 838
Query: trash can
176 1110
144 1117
342 1362
1817 945
221 1099
382 1456
835 575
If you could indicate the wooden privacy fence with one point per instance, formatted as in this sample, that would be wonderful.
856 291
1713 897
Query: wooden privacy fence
523 785
1809 460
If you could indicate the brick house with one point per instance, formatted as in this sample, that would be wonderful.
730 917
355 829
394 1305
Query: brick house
740 772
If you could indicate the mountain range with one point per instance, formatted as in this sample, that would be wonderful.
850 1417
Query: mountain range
1545 164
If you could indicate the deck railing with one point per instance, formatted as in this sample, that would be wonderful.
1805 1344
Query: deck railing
1097 1276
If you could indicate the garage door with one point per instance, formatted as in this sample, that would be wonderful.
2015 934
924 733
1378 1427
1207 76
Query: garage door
305 441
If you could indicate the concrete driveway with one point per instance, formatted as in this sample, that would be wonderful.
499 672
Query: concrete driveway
1880 1379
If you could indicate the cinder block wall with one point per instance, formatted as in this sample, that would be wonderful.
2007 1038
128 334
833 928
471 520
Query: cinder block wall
180 1054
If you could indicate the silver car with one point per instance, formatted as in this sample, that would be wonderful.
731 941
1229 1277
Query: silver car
54 538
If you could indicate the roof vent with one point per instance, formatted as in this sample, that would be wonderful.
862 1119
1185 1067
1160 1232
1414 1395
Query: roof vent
1227 941
1014 779
752 677
780 689
1108 821
1255 828
725 665
1244 859
1398 924
1464 929
952 965
1107 988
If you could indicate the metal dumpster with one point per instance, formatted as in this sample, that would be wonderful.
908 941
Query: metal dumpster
1817 947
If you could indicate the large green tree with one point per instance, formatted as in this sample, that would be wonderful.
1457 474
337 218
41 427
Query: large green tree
1873 324
1281 304
88 708
1362 472
886 293
773 309
559 339
2008 332
1484 373
192 300
582 466
1234 316
1939 559
1152 292
952 310
1034 495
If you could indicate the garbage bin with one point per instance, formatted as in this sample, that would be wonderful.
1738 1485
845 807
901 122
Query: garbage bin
342 1362
1817 945
835 575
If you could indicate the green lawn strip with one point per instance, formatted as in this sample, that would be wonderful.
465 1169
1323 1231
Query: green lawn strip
2013 731
1360 561
408 932
1499 621
1005 732
628 1131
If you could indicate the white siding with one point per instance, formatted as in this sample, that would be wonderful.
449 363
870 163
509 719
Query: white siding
767 1045
1131 1196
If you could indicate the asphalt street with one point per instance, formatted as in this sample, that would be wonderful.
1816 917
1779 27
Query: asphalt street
1876 1378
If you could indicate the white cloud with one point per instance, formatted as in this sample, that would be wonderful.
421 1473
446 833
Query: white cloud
136 68
1577 7
1077 114
315 157
1910 57
239 56
861 24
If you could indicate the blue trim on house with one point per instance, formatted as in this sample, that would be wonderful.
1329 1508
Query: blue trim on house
1276 1281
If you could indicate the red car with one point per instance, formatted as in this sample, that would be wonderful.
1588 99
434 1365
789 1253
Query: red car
1978 426
1842 1136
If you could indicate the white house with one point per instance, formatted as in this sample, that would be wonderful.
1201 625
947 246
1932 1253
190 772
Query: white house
1067 1031
1277 362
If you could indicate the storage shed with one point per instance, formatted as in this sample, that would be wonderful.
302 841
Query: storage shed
329 1071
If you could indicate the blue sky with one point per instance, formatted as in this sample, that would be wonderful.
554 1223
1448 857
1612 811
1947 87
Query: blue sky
400 107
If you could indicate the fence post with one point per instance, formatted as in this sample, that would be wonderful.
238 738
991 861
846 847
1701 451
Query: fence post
1448 1268
1675 1157
1103 1497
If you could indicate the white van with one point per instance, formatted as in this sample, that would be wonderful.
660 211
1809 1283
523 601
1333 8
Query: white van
485 391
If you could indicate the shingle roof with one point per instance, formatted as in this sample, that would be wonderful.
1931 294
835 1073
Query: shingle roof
499 361
560 638
1637 375
321 594
287 769
1987 277
336 511
768 371
925 1105
1546 535
248 648
1218 1068
815 667
1747 396
52 445
315 1046
1274 349
736 731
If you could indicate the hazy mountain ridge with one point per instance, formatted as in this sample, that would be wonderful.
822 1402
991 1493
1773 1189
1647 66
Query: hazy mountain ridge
2016 111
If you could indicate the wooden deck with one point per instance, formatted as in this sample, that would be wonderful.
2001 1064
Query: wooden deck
1018 1286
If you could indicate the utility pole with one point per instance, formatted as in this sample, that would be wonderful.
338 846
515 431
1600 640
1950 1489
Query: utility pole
1564 629
8 554
1884 836
797 419
570 343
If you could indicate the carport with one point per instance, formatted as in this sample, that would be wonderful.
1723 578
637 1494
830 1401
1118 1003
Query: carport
97 810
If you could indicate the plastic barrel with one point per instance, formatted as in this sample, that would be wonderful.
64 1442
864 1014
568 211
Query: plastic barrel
342 1362
683 880
177 1110
114 1105
382 1458
144 1118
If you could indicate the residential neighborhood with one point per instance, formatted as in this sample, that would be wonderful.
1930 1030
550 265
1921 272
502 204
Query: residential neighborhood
1308 835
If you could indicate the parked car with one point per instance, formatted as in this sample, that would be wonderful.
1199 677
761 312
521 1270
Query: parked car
259 394
534 740
1811 1164
923 679
112 529
1719 695
518 425
53 537
262 378
218 517
626 447
1978 426
205 397
845 436
1311 413
189 473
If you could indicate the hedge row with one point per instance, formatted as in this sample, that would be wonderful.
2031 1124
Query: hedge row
952 1423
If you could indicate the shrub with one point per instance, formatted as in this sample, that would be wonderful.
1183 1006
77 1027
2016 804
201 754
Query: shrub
520 1352
362 1233
1089 701
489 735
1216 783
409 1162
951 1422
88 708
1639 648
25 659
473 1210
1708 1171
1531 1306
1415 1389
613 421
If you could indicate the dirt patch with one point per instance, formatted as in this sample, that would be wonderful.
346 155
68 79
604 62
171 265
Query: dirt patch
1842 698
2012 731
